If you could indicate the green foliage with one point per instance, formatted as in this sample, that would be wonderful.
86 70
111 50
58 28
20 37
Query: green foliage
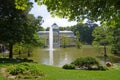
21 4
22 48
116 39
86 62
106 11
102 36
78 43
65 41
16 25
84 32
69 66
25 70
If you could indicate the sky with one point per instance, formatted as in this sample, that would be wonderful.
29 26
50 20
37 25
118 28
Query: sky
48 20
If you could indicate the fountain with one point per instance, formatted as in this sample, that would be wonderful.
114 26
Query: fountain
51 46
51 57
51 38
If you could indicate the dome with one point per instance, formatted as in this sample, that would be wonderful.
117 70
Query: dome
55 26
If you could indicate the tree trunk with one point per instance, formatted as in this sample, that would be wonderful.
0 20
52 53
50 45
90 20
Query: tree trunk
105 54
19 53
28 52
11 51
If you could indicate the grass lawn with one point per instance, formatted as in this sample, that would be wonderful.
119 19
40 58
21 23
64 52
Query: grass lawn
56 73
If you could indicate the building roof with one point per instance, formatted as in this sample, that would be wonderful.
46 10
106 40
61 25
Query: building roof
59 32
66 32
43 32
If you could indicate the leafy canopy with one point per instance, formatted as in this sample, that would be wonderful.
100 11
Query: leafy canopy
107 11
102 36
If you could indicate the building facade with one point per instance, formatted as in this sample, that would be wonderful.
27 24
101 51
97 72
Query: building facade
60 38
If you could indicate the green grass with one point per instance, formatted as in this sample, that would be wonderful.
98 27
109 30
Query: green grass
56 73
61 74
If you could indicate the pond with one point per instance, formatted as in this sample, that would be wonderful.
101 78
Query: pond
61 56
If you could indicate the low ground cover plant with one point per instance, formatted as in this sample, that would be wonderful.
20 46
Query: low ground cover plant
25 70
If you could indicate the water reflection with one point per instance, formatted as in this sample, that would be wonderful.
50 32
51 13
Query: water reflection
54 57
51 57
63 59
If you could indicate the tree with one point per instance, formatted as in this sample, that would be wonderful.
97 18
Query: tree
9 20
31 39
116 40
78 43
102 36
65 41
15 25
85 31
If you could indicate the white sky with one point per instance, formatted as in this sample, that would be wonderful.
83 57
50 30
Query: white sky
48 20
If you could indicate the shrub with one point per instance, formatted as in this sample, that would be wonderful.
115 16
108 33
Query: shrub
69 66
85 63
25 70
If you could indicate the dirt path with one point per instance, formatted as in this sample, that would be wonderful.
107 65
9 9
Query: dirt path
5 74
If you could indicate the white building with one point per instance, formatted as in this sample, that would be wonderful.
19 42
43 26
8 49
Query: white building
60 38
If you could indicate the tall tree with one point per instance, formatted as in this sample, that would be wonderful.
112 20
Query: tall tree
116 40
15 25
102 36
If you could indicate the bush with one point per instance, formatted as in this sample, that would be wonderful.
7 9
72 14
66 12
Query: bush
86 63
69 66
25 70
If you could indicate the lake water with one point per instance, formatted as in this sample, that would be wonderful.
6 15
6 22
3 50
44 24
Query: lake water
61 56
